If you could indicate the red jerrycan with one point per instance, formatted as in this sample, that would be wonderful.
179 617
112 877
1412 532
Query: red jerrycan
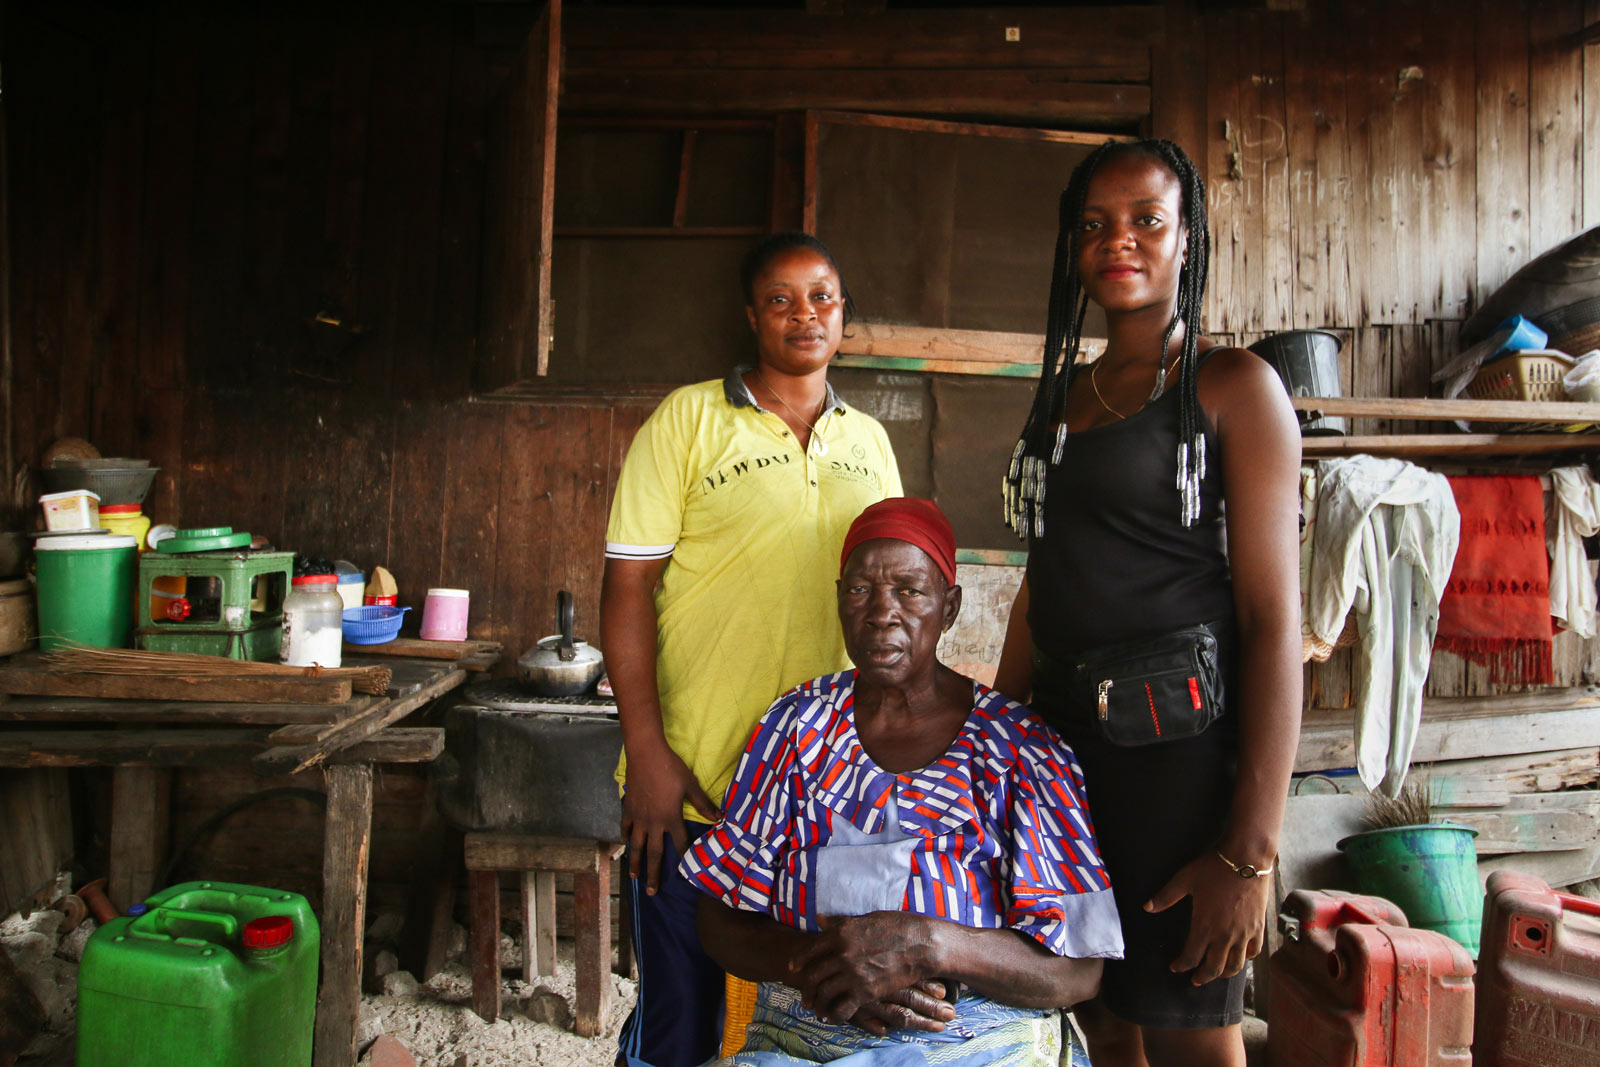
1354 986
1539 983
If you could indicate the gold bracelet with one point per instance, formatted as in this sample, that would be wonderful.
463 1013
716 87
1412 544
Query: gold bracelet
1244 870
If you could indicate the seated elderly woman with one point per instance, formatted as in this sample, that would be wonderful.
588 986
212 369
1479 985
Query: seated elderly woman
906 864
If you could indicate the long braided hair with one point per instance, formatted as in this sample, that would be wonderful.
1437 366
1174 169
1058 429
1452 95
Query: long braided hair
1038 448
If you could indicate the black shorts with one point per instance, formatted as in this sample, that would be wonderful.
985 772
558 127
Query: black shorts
1155 808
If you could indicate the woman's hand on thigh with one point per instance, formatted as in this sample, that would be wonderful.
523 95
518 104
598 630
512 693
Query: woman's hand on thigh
1228 924
919 1006
854 961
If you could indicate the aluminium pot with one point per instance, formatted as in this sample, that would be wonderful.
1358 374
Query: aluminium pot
560 665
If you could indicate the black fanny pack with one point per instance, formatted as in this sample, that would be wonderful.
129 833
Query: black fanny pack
1165 688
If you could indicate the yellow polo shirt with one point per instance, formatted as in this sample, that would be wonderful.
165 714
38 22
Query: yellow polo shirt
752 527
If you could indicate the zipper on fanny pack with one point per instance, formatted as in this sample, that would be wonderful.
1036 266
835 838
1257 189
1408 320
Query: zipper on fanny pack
1103 692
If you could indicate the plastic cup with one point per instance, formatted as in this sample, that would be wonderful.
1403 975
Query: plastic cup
444 615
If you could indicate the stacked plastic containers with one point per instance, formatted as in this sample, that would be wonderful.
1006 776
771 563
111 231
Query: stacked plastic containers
1539 979
1354 985
211 975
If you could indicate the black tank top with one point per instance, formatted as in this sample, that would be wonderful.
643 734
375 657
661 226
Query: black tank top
1115 563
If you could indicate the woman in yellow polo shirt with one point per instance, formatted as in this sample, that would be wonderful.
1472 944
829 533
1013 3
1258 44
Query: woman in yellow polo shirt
720 555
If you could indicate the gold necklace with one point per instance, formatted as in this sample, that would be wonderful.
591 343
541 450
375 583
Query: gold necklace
1095 385
821 448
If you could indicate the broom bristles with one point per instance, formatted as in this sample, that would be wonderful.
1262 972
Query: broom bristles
91 660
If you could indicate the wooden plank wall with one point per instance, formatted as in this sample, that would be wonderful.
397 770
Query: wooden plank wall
191 188
1378 169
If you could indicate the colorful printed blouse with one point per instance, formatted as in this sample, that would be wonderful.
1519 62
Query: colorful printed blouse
1000 832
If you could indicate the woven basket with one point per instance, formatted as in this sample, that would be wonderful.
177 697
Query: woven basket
1579 341
740 1009
1531 375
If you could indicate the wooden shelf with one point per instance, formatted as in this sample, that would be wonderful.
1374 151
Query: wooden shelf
1427 409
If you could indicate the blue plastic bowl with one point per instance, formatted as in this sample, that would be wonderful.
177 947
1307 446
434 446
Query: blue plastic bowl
372 624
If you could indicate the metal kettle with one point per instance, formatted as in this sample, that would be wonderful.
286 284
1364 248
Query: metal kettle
560 665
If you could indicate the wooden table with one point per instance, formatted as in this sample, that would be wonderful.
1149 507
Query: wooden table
144 739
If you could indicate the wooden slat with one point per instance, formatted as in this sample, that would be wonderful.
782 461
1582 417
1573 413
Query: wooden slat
1448 738
1037 96
92 709
963 129
418 648
1432 409
30 681
141 799
1106 32
396 744
516 327
951 345
1503 142
347 846
1536 822
132 747
1466 444
1589 169
299 747
1555 116
1448 269
523 852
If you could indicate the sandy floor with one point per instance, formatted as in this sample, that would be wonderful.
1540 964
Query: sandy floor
439 1027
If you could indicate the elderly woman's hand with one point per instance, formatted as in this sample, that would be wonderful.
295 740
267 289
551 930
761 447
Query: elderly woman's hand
920 1006
855 961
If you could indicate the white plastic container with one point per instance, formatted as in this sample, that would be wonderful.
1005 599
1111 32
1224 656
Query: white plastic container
75 509
313 622
352 583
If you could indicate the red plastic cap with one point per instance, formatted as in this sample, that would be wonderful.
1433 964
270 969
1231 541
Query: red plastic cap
119 509
268 932
317 579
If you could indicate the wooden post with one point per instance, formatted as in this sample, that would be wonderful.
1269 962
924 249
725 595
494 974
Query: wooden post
539 924
141 800
345 853
591 912
627 958
484 937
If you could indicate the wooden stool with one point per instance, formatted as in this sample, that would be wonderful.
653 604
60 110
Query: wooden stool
538 859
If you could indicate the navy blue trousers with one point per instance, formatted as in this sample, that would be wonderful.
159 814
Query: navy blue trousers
677 1021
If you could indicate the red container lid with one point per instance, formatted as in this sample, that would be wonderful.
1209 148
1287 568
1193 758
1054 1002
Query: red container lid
317 579
120 509
268 932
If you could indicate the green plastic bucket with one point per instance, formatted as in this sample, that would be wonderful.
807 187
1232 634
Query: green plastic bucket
1430 870
213 975
85 590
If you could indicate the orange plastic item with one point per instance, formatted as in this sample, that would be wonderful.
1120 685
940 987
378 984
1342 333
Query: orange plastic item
1354 986
1539 984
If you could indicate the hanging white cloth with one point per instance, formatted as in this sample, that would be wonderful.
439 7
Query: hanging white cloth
1385 540
1572 512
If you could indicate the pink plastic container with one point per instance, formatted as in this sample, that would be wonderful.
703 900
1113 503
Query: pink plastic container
444 615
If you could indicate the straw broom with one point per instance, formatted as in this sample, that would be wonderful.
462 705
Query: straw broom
87 659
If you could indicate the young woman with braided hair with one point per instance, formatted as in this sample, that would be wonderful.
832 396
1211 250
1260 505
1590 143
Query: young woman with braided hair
1119 483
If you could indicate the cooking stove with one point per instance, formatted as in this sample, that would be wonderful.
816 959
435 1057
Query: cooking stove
508 694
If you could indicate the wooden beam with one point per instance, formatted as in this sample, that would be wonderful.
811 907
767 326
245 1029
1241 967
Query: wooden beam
299 747
345 853
42 681
1589 34
940 343
1089 31
156 747
1433 409
1033 96
1325 744
105 710
141 800
1465 444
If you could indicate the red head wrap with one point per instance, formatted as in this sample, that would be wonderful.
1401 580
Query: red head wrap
905 518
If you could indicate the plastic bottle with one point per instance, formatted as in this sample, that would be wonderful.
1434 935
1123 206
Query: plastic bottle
313 622
128 520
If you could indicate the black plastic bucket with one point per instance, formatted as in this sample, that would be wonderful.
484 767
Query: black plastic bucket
1308 363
